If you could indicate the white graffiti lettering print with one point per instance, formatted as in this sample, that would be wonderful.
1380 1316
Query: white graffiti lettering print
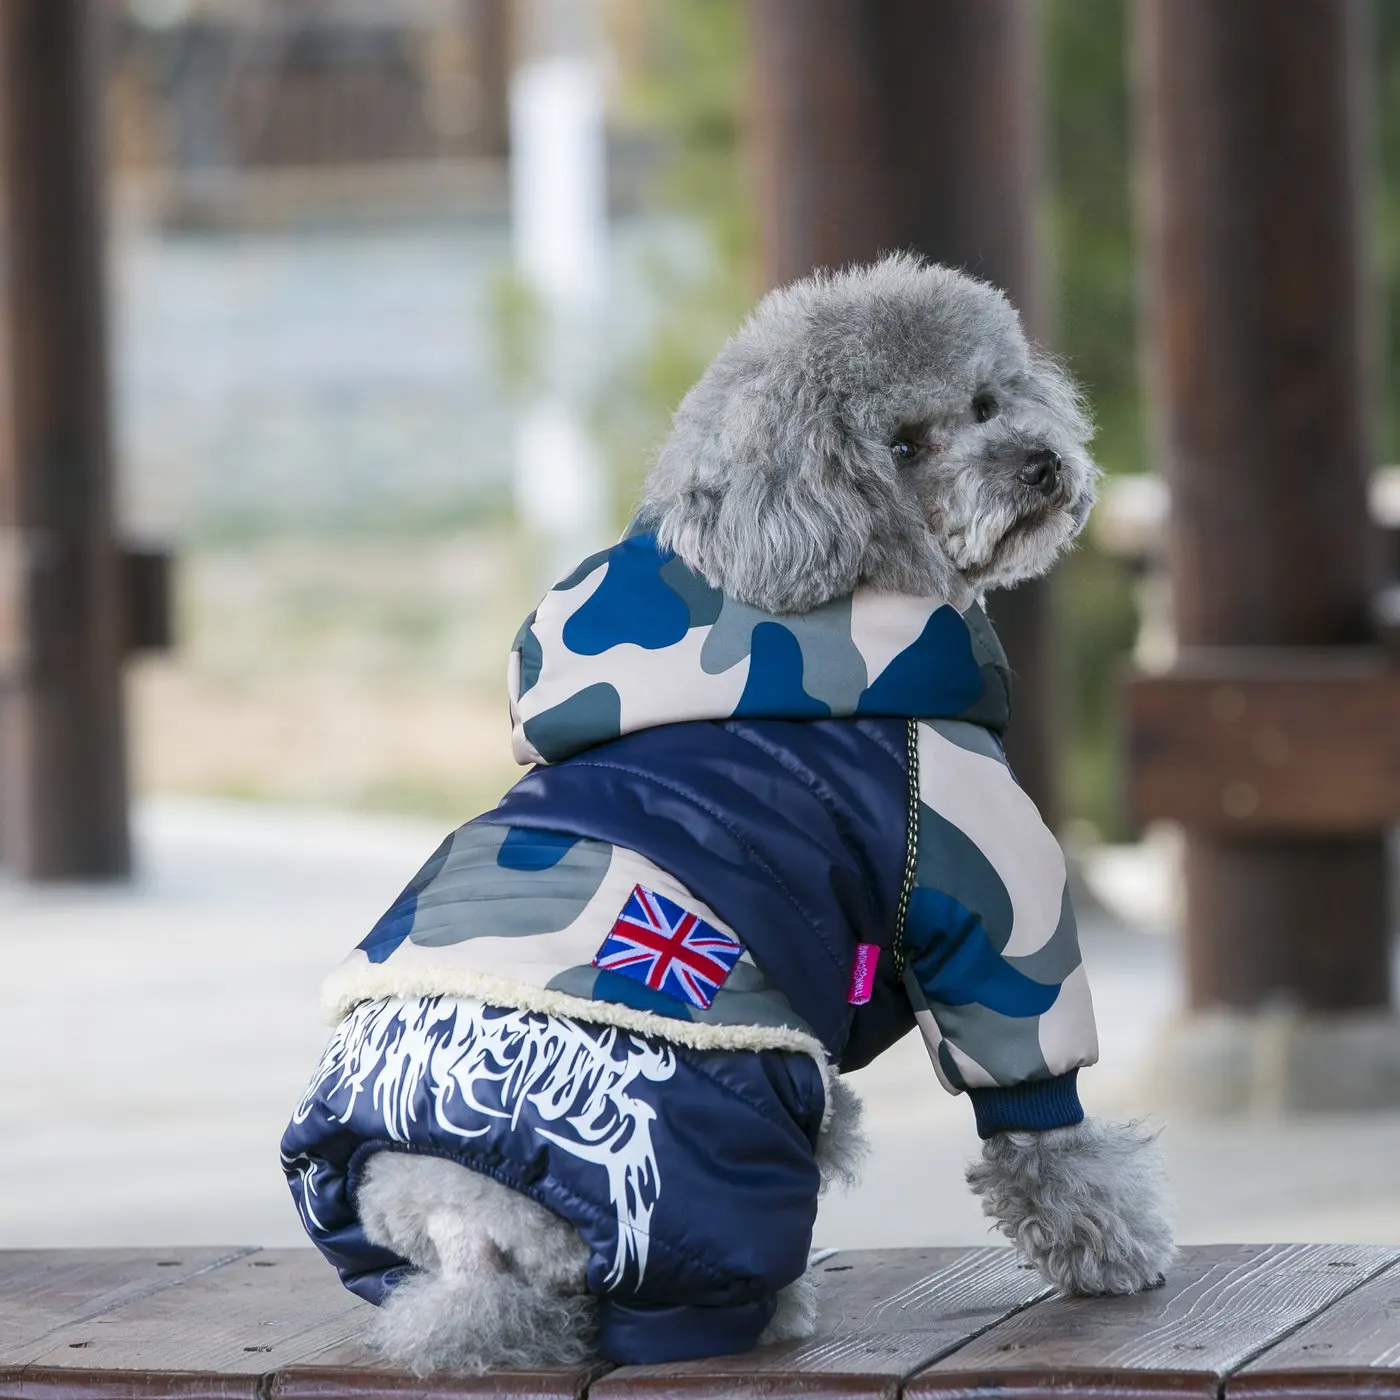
470 1063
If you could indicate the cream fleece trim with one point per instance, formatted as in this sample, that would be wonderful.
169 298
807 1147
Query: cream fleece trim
347 987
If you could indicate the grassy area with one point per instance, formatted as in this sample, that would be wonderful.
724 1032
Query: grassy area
347 671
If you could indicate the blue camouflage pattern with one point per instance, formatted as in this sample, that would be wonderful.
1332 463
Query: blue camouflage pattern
754 770
601 655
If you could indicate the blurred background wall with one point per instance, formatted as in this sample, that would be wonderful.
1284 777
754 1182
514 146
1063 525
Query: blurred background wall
321 350
329 354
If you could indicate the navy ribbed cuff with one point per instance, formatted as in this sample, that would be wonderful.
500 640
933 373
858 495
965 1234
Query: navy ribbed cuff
1030 1108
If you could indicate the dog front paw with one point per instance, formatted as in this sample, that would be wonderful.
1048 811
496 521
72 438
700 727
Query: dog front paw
1087 1205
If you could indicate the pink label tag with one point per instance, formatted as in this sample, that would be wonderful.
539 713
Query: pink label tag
863 973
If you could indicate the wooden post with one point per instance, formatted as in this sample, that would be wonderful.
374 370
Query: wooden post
62 778
1253 204
885 124
488 24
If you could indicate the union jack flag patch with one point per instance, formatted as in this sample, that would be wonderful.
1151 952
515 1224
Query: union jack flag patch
667 948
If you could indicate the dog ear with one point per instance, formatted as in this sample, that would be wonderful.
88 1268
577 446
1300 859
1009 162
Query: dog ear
763 490
783 535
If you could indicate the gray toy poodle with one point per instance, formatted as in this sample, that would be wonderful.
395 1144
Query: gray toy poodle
586 1085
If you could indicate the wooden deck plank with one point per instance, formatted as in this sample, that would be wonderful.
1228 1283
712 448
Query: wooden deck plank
217 1334
1352 1346
349 1370
884 1314
1221 1305
1300 1322
128 1385
42 1290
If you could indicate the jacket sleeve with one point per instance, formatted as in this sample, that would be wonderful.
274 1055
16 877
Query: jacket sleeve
993 965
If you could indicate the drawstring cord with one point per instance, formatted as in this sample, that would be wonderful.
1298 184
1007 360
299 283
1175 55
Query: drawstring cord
911 849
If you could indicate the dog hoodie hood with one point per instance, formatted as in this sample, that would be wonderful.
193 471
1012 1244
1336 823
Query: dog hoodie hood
633 639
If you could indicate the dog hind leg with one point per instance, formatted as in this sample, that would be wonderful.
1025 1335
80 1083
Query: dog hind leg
796 1317
841 1151
499 1280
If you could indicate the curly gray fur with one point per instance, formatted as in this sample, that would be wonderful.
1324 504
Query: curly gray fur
499 1280
780 482
796 1317
842 1146
1087 1205
437 1322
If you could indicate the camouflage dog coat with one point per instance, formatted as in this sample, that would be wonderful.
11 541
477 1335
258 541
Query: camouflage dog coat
752 850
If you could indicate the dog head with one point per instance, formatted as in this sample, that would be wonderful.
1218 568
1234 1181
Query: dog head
886 425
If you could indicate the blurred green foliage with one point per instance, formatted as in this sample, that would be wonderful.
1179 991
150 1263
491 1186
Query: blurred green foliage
518 325
1385 228
690 98
1094 296
1090 215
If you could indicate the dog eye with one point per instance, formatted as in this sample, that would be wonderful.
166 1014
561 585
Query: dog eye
984 406
903 450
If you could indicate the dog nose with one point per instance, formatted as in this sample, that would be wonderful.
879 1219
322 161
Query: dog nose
1042 470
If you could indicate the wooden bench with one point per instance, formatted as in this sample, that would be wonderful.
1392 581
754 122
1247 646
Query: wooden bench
925 1324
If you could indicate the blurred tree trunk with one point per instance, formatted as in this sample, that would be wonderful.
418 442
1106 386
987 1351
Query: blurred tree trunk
887 124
